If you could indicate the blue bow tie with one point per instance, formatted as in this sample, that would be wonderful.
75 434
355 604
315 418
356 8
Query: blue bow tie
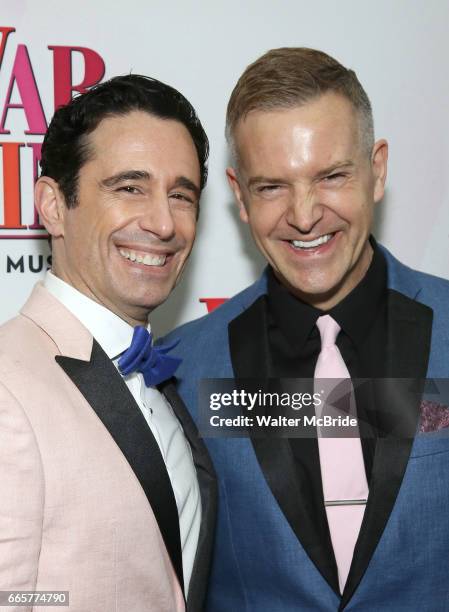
153 362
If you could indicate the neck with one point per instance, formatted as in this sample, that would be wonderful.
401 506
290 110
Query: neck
133 316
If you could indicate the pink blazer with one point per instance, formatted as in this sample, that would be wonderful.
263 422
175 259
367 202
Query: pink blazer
73 514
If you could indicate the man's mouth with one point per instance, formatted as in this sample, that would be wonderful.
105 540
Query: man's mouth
147 259
311 244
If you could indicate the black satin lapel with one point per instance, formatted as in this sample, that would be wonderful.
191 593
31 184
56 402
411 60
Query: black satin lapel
409 335
276 461
250 356
248 342
106 392
208 491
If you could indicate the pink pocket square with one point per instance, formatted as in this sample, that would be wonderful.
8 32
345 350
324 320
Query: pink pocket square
434 416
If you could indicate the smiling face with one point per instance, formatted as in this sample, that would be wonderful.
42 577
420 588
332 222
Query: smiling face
126 242
307 188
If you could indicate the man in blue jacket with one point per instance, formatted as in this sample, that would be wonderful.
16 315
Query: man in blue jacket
307 175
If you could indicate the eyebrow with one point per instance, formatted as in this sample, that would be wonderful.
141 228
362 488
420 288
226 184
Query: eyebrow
263 179
143 175
183 181
127 175
347 163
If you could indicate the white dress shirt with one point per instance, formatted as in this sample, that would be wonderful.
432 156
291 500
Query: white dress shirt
114 335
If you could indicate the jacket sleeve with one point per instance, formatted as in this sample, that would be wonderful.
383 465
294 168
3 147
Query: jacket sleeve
22 499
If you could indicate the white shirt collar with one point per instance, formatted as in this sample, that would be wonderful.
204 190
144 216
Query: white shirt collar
112 333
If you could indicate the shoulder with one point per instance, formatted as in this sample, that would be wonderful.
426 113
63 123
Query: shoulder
20 332
214 325
426 288
26 354
13 335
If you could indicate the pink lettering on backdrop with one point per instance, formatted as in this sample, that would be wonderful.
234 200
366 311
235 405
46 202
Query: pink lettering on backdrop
22 74
94 70
23 89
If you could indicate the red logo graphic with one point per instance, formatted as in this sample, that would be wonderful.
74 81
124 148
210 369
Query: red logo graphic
213 303
22 80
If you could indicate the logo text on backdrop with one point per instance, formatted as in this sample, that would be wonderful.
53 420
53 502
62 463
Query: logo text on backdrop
21 149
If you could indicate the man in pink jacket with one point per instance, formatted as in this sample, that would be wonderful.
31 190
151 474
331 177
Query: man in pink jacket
107 492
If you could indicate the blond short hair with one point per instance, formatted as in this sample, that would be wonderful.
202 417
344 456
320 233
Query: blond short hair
292 76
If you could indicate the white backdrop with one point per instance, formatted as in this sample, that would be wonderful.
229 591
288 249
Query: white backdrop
398 49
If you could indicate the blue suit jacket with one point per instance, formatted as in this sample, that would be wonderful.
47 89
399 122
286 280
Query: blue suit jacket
267 556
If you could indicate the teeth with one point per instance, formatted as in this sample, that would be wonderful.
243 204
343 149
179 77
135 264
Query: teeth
147 259
310 244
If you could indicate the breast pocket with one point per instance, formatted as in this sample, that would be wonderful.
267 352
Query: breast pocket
430 443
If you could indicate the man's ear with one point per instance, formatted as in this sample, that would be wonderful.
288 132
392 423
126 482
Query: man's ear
379 159
233 181
50 205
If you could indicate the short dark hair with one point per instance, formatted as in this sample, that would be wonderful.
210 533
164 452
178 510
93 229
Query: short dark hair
292 76
66 148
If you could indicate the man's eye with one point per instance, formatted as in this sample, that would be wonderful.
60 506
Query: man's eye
268 188
129 189
183 197
335 176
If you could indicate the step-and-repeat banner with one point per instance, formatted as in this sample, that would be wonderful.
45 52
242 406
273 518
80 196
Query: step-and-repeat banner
50 50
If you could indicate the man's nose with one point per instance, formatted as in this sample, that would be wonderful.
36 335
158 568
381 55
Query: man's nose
157 217
304 209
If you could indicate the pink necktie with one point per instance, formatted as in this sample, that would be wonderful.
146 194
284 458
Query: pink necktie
342 468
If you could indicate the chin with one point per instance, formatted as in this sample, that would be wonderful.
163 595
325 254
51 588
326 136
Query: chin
310 285
311 291
152 302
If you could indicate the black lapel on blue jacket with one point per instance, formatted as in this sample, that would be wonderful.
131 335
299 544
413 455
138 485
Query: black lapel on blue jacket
409 335
250 356
208 490
106 392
